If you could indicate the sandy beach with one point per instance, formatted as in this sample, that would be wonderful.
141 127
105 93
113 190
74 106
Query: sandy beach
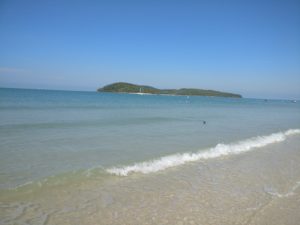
257 187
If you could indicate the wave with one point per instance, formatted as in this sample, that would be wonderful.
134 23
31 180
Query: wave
273 192
217 151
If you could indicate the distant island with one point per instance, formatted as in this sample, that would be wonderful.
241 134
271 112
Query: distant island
122 87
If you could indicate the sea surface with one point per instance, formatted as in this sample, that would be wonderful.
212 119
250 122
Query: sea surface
133 151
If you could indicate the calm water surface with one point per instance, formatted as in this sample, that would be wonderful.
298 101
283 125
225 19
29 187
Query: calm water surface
45 133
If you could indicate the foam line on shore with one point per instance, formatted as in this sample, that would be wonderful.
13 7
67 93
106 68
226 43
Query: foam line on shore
217 151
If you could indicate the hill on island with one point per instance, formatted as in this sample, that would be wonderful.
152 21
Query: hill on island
122 87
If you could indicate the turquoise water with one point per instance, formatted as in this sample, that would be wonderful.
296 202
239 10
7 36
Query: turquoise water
45 133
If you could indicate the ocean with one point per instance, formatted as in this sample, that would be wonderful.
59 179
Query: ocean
71 157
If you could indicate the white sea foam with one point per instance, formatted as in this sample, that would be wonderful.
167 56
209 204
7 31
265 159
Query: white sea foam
217 151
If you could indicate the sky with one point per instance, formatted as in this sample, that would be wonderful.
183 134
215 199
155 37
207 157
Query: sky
247 47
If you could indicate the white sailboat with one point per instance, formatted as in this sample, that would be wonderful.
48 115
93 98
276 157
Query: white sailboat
140 93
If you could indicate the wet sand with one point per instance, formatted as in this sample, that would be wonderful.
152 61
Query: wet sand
257 187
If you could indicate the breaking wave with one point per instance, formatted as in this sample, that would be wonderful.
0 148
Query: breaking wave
217 151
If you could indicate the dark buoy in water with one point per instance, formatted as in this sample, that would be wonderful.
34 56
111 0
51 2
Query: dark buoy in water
204 122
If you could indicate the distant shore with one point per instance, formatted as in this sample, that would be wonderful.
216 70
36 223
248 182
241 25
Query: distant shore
122 87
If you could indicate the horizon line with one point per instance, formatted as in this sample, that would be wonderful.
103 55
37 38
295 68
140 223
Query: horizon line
72 90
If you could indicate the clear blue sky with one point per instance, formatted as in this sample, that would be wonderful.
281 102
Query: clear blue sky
249 47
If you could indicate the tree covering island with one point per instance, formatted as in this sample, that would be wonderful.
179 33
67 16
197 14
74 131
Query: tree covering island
122 87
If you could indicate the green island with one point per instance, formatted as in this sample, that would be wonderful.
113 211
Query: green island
122 87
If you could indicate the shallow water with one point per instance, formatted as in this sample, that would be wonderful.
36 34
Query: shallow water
99 158
45 133
250 188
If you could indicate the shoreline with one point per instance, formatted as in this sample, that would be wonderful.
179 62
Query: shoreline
165 162
242 187
138 93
